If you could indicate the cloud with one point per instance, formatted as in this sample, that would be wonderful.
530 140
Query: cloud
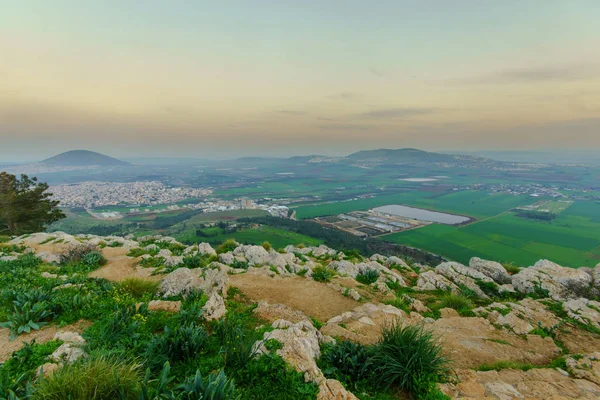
539 74
346 127
377 72
345 96
290 112
391 113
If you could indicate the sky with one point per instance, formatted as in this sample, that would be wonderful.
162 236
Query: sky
236 78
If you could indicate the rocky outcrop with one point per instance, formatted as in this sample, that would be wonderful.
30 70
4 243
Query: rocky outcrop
431 280
255 255
491 269
463 276
70 351
559 282
584 311
300 346
585 367
182 281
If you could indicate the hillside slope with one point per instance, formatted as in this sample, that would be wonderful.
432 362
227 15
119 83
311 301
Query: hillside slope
508 333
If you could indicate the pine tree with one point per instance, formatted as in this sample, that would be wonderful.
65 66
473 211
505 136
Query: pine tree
25 205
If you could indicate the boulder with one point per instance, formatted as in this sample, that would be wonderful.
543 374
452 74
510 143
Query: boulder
68 353
164 253
182 281
585 367
255 255
214 307
227 258
491 269
345 268
464 276
215 281
430 280
206 249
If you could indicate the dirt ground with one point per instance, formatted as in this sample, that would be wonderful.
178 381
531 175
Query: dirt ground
120 266
44 335
312 298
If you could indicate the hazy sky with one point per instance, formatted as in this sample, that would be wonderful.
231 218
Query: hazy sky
227 78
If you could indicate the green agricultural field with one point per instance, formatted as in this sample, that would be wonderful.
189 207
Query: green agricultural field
572 239
277 237
470 203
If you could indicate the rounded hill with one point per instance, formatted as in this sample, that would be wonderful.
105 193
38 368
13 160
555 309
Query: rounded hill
83 158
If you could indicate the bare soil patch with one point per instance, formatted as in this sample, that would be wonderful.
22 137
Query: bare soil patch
312 298
44 335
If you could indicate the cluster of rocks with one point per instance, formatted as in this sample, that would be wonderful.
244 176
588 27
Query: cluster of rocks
545 277
68 352
300 348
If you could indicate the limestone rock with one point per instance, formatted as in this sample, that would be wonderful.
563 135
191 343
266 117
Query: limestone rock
345 268
561 283
227 258
300 347
491 269
215 281
587 367
331 389
255 255
47 370
164 305
584 311
182 281
206 249
430 280
68 353
214 307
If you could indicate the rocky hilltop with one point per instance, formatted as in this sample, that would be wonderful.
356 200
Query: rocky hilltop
532 333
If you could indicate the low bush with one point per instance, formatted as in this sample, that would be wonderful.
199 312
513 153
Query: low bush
368 276
215 386
226 246
511 268
27 317
96 378
409 358
138 288
267 246
458 302
176 345
76 254
348 362
322 274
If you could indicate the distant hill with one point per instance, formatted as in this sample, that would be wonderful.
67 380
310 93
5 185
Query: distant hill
401 155
82 158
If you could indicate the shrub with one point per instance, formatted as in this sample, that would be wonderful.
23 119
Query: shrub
93 259
22 364
226 246
368 276
322 274
409 358
456 301
270 378
77 253
215 386
176 345
26 317
96 378
267 246
511 268
237 342
348 362
137 287
239 264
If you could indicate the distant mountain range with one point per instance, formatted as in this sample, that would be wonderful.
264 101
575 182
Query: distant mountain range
402 155
82 158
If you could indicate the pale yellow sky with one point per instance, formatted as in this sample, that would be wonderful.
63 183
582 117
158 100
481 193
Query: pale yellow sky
284 78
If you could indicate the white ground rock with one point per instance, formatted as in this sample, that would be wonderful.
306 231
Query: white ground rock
560 282
491 269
